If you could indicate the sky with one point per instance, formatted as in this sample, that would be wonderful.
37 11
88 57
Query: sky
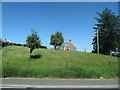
74 19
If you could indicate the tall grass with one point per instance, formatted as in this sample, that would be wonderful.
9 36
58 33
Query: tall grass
57 64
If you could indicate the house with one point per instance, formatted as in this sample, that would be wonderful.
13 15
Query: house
67 46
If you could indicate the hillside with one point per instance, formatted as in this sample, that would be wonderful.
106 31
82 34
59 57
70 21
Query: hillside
46 63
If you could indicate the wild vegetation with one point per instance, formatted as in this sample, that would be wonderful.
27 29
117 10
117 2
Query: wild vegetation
46 63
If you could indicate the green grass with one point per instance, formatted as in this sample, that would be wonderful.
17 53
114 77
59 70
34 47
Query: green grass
56 64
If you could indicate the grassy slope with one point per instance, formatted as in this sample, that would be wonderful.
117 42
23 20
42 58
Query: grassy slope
57 63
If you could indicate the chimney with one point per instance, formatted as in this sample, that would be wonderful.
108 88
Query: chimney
70 40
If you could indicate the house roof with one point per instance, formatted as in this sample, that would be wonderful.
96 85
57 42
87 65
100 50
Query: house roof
67 43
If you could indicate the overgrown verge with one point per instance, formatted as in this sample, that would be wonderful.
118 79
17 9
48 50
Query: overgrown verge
46 63
61 72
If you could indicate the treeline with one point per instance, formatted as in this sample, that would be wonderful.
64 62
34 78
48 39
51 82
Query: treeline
4 43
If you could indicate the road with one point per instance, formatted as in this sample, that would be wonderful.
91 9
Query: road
59 84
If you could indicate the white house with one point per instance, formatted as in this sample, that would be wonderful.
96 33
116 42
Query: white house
67 46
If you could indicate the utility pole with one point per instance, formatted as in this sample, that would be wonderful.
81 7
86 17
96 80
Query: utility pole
97 41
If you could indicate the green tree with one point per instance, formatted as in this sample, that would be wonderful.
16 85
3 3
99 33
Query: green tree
56 39
109 31
33 41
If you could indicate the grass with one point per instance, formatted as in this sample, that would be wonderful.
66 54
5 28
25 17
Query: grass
46 63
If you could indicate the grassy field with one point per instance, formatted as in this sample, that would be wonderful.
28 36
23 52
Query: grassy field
46 63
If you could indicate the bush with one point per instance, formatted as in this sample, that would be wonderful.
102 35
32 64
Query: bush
5 44
116 54
43 47
25 45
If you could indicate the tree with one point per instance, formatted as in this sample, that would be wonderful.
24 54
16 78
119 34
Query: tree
109 31
56 39
33 41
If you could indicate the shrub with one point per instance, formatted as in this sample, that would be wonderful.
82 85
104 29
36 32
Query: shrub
43 47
